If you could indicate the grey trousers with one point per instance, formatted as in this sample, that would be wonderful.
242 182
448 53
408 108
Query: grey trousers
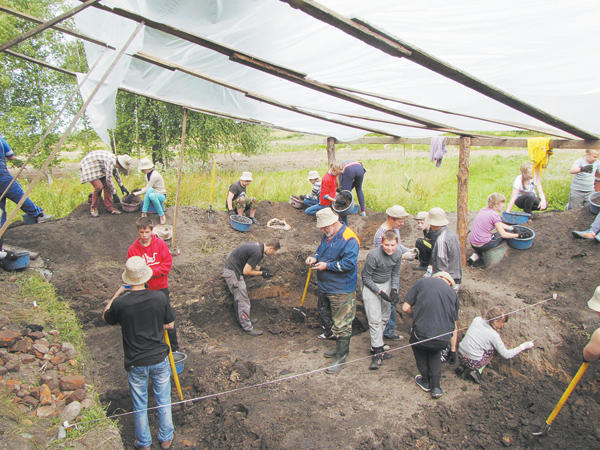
241 301
378 312
578 199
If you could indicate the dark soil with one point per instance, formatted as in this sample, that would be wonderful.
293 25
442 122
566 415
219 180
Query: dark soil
357 408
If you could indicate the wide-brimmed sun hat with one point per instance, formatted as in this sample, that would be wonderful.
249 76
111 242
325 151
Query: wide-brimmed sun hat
246 176
421 215
397 212
313 175
125 162
145 164
446 276
136 271
326 217
594 302
437 217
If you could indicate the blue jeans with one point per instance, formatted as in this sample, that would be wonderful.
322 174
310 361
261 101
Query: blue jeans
310 201
15 193
161 385
156 199
312 210
390 328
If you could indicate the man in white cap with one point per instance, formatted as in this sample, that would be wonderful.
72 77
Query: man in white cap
396 218
446 253
238 202
143 315
312 198
335 261
591 352
98 168
434 306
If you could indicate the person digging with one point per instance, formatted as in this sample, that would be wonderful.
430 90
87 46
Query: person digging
245 260
335 261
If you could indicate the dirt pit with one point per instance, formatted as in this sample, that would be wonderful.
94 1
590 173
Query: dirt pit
357 408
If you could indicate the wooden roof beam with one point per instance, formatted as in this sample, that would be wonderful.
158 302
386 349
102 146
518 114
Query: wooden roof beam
366 32
490 141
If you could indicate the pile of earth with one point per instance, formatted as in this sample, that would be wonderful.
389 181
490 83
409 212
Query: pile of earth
358 407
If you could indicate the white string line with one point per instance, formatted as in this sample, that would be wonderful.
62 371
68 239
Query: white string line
303 374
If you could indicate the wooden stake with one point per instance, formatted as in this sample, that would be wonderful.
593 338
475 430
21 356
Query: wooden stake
330 150
179 174
462 203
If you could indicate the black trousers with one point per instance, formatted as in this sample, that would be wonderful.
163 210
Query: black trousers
324 309
428 359
171 332
425 247
528 202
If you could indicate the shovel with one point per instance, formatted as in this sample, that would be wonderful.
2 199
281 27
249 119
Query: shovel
211 214
299 314
173 369
562 400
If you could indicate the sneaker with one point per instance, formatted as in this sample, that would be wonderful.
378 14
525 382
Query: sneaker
326 336
94 212
421 383
475 376
116 212
587 234
253 332
162 219
436 392
254 221
393 337
44 218
166 444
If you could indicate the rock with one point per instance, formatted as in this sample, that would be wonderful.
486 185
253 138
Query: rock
26 436
31 401
45 395
73 396
37 335
506 440
46 411
3 370
71 411
57 359
8 337
28 358
187 443
54 332
234 377
73 362
13 385
22 345
13 365
68 349
86 403
40 350
72 382
51 379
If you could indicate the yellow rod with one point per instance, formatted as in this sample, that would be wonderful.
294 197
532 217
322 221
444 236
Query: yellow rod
306 287
567 393
173 369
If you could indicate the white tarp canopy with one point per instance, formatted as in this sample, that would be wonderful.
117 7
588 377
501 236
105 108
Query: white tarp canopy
544 53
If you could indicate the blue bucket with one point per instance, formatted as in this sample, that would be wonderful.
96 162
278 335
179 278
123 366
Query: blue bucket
521 243
515 218
179 359
28 220
22 262
595 203
240 223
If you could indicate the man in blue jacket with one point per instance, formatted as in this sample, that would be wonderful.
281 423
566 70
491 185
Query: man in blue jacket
335 263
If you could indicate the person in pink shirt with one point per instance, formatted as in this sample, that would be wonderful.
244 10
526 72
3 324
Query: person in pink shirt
487 230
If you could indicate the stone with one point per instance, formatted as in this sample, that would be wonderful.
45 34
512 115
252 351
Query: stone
73 362
71 411
8 337
3 370
13 385
45 395
13 365
37 335
54 332
51 379
40 350
86 403
28 358
22 345
31 401
46 411
186 443
506 440
72 382
68 349
57 359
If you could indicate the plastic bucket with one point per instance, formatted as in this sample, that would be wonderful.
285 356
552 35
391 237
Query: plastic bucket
240 223
179 359
346 205
522 243
515 217
22 262
595 203
296 202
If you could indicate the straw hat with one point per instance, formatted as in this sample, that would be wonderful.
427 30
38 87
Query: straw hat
313 174
246 176
437 217
421 215
125 162
446 276
594 302
326 217
136 271
145 164
397 212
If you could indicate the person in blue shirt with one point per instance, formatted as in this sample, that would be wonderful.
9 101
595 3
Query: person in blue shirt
15 192
336 264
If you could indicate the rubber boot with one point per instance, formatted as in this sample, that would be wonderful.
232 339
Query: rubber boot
376 359
331 353
342 346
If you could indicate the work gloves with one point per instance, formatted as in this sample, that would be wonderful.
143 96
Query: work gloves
384 296
124 190
523 234
526 345
116 198
394 297
266 273
587 169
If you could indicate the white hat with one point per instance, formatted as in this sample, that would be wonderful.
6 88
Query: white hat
326 217
446 276
437 217
246 176
421 215
136 271
145 164
313 174
125 162
397 212
594 302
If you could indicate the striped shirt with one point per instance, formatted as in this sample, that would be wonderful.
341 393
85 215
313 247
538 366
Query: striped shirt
98 164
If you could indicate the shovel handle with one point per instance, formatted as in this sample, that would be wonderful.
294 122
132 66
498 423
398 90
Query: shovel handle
212 183
567 393
173 369
306 286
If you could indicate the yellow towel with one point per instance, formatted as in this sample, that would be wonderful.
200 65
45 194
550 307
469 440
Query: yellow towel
539 152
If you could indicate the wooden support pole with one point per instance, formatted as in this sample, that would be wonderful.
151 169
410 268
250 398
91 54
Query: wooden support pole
462 202
179 174
330 150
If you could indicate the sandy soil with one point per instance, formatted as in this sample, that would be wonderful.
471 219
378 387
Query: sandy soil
357 408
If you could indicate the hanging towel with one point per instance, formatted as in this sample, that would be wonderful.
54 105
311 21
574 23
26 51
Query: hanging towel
438 149
539 152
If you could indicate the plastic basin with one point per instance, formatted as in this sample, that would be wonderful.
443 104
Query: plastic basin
522 243
179 359
22 262
595 203
240 223
296 202
515 217
345 207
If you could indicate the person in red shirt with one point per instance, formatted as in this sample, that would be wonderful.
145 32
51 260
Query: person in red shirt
328 189
158 257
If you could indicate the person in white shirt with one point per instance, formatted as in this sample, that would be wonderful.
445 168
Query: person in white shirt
523 193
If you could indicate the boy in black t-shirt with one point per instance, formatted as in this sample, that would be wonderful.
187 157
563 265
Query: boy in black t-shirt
238 202
245 260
